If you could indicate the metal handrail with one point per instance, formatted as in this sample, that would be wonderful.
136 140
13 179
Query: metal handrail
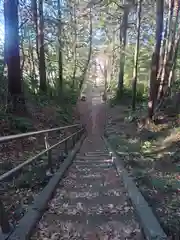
30 160
24 135
4 223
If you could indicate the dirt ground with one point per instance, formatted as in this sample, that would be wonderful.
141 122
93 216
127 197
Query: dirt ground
92 112
152 156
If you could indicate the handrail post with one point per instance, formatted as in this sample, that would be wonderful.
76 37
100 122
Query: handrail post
84 129
50 160
49 153
73 140
66 148
4 223
76 137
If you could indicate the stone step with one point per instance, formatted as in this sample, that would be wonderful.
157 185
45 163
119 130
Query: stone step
88 170
88 201
88 162
86 177
86 191
94 165
87 186
91 219
93 157
94 174
97 154
79 180
93 208
98 151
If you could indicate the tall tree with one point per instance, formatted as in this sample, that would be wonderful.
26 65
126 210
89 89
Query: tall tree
42 64
170 52
60 63
74 19
123 36
155 57
12 55
35 22
136 56
90 50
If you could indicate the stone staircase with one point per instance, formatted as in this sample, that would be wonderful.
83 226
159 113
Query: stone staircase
91 201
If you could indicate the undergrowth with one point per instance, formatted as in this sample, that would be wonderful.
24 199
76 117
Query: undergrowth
115 99
151 154
58 110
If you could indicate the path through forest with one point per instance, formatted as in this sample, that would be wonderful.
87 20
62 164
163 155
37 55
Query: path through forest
91 202
93 112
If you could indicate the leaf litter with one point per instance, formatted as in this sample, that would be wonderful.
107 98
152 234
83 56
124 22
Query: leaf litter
19 192
153 161
88 219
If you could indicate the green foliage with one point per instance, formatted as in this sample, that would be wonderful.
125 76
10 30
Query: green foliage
141 96
22 124
70 95
15 124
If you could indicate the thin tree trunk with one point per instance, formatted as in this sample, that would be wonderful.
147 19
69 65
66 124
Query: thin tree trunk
89 53
123 36
22 62
165 44
74 48
75 65
29 59
32 62
60 63
155 57
136 56
42 65
35 20
113 59
168 61
170 80
174 61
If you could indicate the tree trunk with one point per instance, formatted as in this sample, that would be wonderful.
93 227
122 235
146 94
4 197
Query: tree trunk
170 80
22 53
74 47
165 44
89 53
42 65
35 20
32 63
60 63
169 57
136 56
112 59
155 57
123 36
12 56
166 90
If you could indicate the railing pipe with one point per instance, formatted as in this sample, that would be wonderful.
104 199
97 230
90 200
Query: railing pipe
24 135
27 162
4 223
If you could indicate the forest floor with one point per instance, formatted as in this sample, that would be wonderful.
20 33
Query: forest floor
18 193
151 153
